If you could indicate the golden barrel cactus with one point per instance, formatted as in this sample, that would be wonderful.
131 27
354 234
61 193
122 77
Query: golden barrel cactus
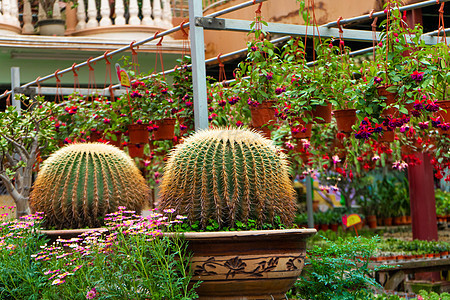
228 175
79 184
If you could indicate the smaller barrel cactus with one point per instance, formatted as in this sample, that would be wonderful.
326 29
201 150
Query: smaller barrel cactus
228 175
79 184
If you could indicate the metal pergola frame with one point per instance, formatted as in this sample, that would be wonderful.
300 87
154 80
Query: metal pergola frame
211 22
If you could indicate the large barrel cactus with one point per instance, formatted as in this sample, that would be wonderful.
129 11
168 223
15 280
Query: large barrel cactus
228 175
81 183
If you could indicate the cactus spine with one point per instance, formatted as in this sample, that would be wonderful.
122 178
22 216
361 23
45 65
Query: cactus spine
228 175
81 183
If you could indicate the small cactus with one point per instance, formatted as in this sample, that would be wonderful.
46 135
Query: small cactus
81 183
228 175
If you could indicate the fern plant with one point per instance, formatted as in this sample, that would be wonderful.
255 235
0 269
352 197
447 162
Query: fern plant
229 176
81 183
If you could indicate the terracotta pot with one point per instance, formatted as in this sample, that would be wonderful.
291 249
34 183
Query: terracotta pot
359 226
387 221
345 119
95 136
372 221
324 227
138 133
135 150
387 136
317 227
397 221
322 113
404 222
408 219
118 141
334 227
379 221
445 115
263 114
391 98
296 131
265 131
262 264
166 129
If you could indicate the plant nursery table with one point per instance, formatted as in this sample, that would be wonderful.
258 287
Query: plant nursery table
392 277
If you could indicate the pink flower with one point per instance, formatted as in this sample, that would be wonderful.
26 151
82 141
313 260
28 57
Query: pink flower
91 294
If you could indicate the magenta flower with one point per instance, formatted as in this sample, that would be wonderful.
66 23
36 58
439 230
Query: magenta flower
91 294
417 76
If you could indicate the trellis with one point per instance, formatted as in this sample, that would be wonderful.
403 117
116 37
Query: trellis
211 22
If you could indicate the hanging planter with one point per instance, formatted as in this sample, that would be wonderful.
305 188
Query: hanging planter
136 150
322 113
391 98
166 129
444 113
345 119
386 136
301 131
96 135
138 133
118 139
263 114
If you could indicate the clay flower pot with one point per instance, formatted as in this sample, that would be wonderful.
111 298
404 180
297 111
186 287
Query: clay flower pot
301 131
263 114
138 133
372 221
166 129
345 119
322 113
391 98
261 264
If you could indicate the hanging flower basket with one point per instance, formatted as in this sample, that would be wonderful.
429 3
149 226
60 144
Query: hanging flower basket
322 113
118 140
166 129
386 136
391 98
138 133
135 150
96 135
444 113
263 114
345 119
301 131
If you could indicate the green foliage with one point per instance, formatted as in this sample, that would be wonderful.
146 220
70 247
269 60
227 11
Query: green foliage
230 176
442 202
434 296
132 260
20 276
81 183
339 270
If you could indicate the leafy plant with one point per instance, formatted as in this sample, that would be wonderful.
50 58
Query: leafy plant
339 270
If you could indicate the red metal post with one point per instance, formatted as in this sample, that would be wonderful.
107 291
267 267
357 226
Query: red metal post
423 203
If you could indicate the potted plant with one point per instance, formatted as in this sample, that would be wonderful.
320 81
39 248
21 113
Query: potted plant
50 21
223 178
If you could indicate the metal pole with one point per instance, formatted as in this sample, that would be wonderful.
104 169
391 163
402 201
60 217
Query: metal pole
159 35
381 13
309 202
198 66
15 82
